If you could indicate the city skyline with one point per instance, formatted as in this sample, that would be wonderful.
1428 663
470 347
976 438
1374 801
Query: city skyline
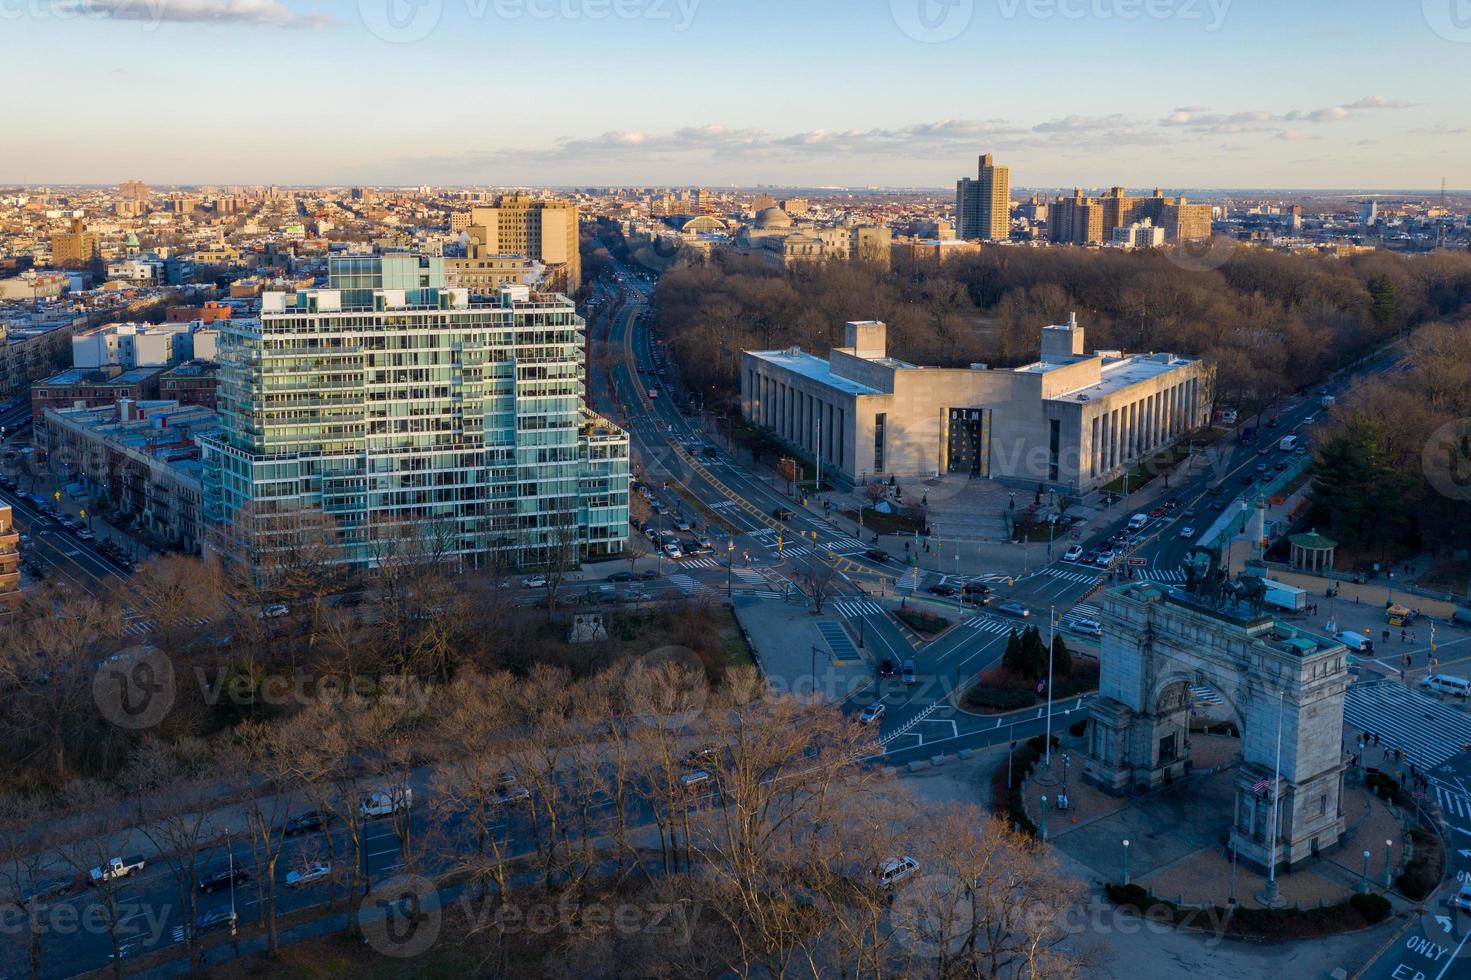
1221 94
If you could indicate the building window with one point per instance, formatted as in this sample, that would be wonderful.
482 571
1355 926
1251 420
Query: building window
879 422
1054 444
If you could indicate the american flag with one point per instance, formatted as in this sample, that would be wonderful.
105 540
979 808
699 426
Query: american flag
1260 786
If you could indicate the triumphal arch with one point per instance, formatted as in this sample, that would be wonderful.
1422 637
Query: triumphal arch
1160 642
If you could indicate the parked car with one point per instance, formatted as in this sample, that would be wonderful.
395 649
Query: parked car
309 875
223 877
381 803
304 823
872 713
220 918
622 577
119 867
894 870
274 611
1088 627
1013 608
1073 554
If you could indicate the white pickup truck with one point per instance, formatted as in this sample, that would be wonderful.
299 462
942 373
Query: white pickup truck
118 867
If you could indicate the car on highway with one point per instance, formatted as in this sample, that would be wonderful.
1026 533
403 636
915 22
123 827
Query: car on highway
304 823
906 673
886 668
86 535
1261 467
1073 554
1104 559
1264 451
309 875
1013 608
1158 512
1191 512
220 918
1187 532
1218 505
872 713
877 554
223 878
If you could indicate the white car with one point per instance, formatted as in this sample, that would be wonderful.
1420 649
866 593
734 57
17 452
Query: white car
872 713
1088 627
534 582
1187 532
672 551
1073 554
274 611
307 876
680 524
381 803
895 870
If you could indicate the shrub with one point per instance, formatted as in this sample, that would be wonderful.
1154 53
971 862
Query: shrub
1134 896
999 698
1422 874
922 622
1077 728
1374 908
1036 744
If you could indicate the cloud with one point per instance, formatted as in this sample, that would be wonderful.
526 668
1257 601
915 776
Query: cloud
1380 102
1295 135
1442 129
255 13
1083 124
1264 121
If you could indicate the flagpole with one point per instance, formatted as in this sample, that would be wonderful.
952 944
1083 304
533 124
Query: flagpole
1051 642
1270 898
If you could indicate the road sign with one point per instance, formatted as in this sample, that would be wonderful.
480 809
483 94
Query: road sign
1138 562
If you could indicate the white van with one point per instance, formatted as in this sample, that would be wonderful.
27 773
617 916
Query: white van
381 803
1355 641
1458 687
895 870
1138 521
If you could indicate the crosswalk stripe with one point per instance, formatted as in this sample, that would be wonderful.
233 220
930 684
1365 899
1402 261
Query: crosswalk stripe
764 594
699 563
858 607
1427 731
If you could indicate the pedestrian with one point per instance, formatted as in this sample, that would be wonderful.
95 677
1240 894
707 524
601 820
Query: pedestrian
1404 637
1412 636
1376 738
1356 600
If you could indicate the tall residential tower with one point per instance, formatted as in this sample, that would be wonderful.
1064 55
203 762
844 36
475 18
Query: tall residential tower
412 416
983 205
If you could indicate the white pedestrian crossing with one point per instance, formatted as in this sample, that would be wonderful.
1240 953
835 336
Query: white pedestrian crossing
698 563
1428 731
689 586
749 575
1164 575
985 624
762 593
1069 576
853 608
1453 805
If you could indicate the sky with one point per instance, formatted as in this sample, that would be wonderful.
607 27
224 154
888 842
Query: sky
1354 94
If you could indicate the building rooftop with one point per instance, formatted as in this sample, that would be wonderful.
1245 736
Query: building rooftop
797 361
76 376
1117 372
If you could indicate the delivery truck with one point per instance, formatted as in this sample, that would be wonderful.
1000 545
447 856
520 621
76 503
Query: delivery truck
1284 596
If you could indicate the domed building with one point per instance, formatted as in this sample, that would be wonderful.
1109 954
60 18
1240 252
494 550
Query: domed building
772 219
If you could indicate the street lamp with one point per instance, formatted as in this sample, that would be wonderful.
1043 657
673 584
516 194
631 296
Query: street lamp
1388 869
1364 881
1126 862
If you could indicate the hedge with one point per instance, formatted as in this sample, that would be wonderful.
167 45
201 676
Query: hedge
922 622
1285 923
1422 874
999 698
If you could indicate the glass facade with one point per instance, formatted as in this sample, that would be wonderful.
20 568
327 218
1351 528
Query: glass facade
410 418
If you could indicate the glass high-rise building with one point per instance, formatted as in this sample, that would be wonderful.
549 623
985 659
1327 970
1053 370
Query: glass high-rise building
404 417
